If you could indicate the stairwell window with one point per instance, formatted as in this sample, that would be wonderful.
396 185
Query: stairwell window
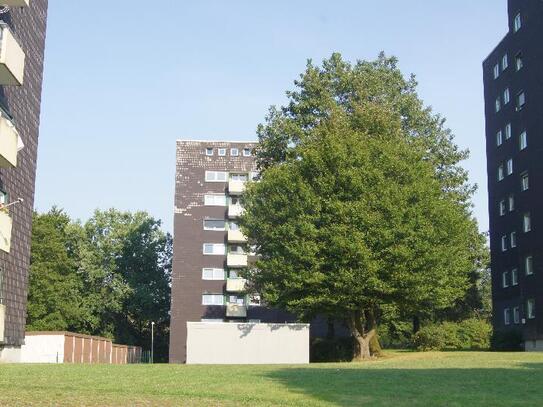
521 100
516 315
527 222
497 105
499 138
517 23
212 299
503 207
216 176
511 200
506 316
509 166
524 181
214 224
514 277
504 243
215 249
506 96
508 131
530 309
519 63
215 200
523 140
529 265
500 172
496 71
505 62
213 274
513 239
505 279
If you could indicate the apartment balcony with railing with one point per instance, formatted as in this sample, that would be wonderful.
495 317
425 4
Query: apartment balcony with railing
12 58
6 224
236 260
10 143
15 3
236 187
235 285
236 311
235 211
236 236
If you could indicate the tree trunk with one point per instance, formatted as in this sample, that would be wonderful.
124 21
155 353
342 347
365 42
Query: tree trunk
363 331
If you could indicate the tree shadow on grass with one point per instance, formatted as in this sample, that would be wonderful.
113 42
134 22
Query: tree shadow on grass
355 385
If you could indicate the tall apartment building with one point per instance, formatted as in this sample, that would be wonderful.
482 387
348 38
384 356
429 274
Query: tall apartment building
22 42
209 249
513 81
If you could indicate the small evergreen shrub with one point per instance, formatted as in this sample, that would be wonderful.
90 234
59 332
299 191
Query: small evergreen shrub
471 334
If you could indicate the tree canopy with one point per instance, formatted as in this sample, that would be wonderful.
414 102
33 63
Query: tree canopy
361 203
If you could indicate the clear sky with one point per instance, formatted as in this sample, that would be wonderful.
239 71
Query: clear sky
124 80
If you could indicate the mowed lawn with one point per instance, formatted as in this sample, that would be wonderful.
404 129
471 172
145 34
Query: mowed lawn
399 379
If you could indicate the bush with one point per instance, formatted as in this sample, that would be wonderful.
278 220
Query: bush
510 340
332 350
471 334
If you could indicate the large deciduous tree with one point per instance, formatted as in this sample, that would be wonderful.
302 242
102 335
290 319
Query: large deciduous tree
362 203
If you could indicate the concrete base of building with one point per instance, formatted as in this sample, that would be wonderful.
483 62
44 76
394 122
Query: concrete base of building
10 354
534 345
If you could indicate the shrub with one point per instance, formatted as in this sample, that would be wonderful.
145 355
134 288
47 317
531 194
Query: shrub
471 334
332 350
510 340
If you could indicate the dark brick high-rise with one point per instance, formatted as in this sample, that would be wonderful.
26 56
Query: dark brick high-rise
23 37
513 79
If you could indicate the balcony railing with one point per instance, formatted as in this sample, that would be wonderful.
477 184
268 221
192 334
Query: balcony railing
236 260
235 285
235 310
15 3
5 230
12 58
9 143
236 187
236 236
2 321
235 210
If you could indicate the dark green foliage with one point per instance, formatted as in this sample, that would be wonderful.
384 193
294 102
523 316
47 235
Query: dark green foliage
507 340
331 350
471 334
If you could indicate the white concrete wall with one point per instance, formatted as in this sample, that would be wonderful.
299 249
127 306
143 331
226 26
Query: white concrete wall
246 343
10 355
43 349
533 346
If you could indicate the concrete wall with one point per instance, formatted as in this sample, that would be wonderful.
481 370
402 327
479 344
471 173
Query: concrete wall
246 343
43 349
534 346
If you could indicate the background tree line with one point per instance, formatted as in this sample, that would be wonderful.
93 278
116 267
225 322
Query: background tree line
109 276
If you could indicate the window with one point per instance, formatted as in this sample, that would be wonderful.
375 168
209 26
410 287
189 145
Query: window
505 62
513 239
527 222
214 224
215 200
506 316
524 182
503 208
499 138
233 274
516 315
222 152
233 226
246 152
209 151
212 299
215 249
517 23
239 177
518 61
236 299
505 279
504 243
496 71
234 152
506 96
511 200
236 249
508 131
514 277
498 105
509 166
521 100
216 176
234 200
530 309
523 140
212 274
500 172
528 265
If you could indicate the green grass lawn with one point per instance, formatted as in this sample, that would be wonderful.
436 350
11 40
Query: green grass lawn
400 379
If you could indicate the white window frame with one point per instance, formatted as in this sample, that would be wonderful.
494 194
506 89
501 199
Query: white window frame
212 299
247 152
523 140
496 71
234 152
213 274
239 176
506 96
530 308
498 105
502 207
215 200
529 265
214 229
508 131
519 61
516 315
524 181
221 152
499 138
504 243
507 316
209 151
509 166
511 203
505 279
514 277
505 62
215 246
527 222
213 176
521 100
501 174
517 22
513 239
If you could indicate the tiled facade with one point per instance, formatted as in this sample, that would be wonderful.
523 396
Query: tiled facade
22 103
513 79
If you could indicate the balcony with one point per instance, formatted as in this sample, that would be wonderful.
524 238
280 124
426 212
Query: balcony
236 311
235 285
12 58
236 260
15 3
235 210
2 321
5 231
9 143
236 236
236 187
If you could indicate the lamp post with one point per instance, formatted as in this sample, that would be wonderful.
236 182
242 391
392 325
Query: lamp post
152 341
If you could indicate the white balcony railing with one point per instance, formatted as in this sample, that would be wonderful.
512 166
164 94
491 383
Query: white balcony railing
236 260
236 187
5 231
12 58
15 3
235 310
10 143
235 210
235 285
236 236
2 321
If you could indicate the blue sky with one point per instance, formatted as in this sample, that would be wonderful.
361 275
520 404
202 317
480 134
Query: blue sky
123 82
